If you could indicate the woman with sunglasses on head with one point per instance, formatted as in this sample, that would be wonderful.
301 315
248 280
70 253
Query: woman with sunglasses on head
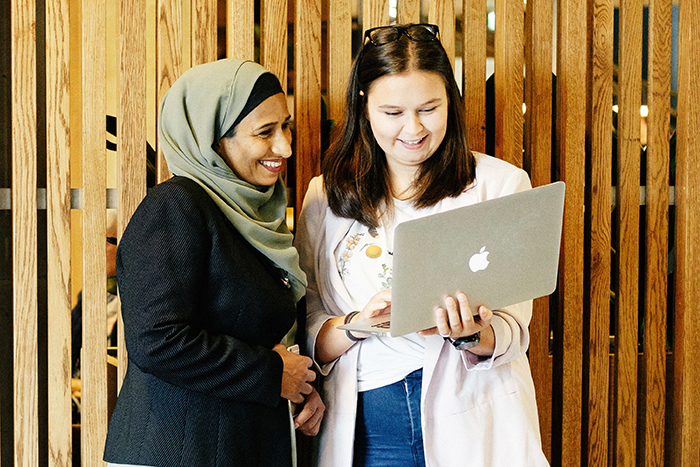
209 281
457 394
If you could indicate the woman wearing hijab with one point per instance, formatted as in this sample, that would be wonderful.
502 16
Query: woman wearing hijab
209 282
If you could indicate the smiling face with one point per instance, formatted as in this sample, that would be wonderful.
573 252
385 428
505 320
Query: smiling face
408 116
261 143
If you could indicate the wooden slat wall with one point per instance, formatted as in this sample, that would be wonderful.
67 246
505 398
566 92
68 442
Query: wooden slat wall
442 13
538 162
685 431
408 12
171 61
570 150
240 36
653 399
339 55
374 13
131 121
508 80
597 322
606 417
93 356
624 451
58 241
24 238
307 93
204 29
474 71
273 38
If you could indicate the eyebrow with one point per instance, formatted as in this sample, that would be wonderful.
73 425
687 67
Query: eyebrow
431 101
272 124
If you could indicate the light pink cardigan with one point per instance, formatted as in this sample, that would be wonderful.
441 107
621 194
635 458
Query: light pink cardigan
474 413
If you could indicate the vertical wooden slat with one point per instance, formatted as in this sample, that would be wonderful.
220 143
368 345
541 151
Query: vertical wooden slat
59 360
203 36
273 38
240 29
152 73
93 367
171 62
442 13
508 75
538 95
653 400
628 176
307 93
24 233
570 146
686 417
131 124
408 11
474 70
597 344
538 162
339 55
374 13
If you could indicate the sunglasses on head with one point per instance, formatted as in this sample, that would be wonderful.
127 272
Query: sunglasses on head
422 32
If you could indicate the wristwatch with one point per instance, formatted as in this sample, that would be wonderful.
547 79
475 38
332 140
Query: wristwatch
465 343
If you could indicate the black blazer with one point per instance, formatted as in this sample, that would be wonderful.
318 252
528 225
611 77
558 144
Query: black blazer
202 310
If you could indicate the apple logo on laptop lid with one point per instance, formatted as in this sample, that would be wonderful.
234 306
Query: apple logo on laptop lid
479 261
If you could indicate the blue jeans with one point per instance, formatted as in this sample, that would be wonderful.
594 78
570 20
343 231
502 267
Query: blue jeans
388 428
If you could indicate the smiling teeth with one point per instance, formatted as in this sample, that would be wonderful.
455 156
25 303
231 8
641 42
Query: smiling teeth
413 142
272 164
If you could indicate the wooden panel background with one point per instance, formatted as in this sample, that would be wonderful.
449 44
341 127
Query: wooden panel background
93 355
58 241
613 359
629 99
571 161
474 70
597 279
132 127
24 246
653 380
685 432
537 159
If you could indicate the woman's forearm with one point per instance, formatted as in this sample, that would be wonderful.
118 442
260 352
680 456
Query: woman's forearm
332 342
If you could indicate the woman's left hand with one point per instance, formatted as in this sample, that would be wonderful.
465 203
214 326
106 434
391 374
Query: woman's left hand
308 421
456 320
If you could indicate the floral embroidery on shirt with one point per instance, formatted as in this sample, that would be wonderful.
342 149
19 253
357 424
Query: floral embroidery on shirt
350 245
386 277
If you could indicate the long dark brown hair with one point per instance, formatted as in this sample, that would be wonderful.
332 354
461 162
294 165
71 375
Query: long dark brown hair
355 171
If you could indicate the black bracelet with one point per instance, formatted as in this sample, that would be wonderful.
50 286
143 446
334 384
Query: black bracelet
348 317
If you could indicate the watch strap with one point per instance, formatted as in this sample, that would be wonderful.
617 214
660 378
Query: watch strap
466 342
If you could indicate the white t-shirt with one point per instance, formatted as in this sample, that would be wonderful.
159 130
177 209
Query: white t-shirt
364 263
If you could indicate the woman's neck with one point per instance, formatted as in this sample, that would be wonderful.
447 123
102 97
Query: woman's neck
402 187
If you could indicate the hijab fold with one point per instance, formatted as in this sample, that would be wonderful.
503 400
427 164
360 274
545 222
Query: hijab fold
200 107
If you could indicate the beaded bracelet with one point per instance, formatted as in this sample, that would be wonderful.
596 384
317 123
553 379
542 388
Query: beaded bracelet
349 317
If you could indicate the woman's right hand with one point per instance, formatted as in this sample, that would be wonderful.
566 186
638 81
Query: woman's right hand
379 304
332 342
296 375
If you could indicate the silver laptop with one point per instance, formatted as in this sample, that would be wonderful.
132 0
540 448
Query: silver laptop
498 252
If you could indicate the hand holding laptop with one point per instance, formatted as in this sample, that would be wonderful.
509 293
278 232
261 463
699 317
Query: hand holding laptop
378 309
456 320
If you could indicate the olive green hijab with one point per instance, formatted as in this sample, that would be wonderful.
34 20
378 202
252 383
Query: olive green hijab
200 107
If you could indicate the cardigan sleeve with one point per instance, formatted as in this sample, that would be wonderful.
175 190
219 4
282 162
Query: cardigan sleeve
309 241
162 261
